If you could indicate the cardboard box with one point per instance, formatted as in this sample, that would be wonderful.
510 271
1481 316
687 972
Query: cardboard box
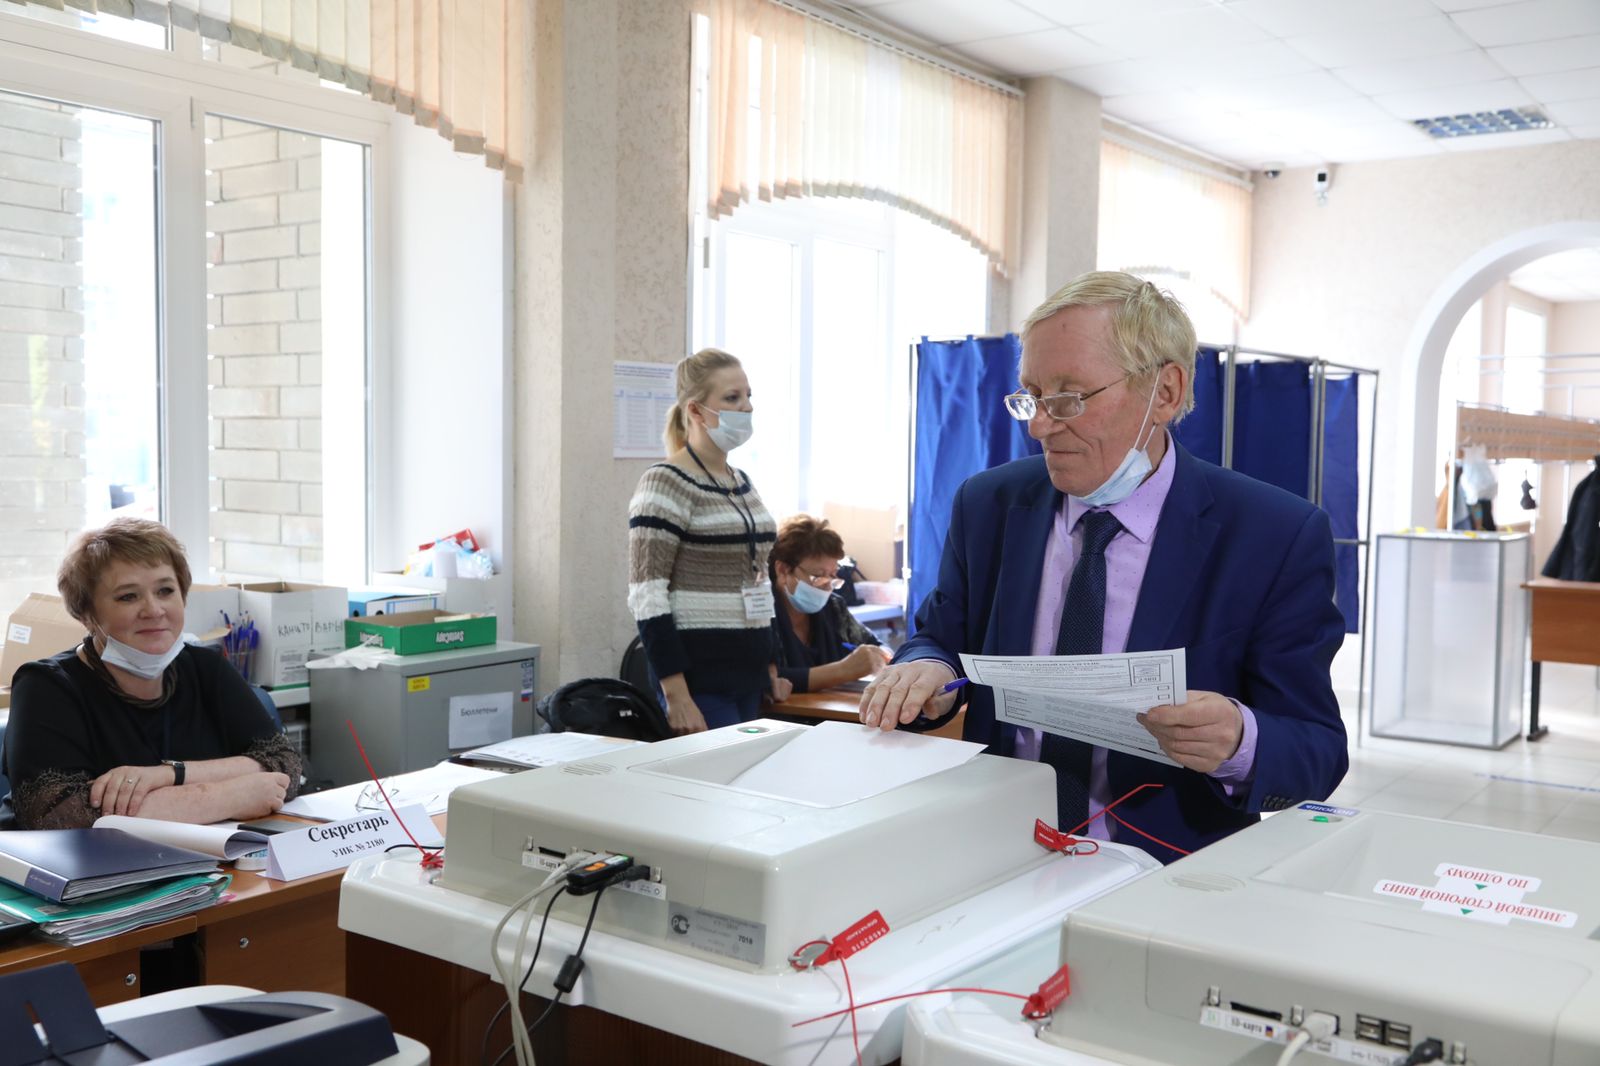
871 536
464 595
293 620
421 631
37 629
365 602
205 606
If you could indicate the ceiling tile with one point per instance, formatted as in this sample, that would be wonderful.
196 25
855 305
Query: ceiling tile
956 22
1203 126
1314 87
1175 33
1568 85
1585 133
1290 18
1081 12
1535 20
1548 57
1027 54
1570 113
1253 152
1456 68
1351 46
1384 136
1355 112
1143 108
1263 59
1125 77
1455 99
1519 139
1467 5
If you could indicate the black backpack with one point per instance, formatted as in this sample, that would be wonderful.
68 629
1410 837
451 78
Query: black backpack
604 706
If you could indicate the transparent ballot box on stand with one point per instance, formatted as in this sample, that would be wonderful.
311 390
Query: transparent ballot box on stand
1449 636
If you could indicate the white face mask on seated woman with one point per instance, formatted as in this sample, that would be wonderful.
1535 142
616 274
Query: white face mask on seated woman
143 606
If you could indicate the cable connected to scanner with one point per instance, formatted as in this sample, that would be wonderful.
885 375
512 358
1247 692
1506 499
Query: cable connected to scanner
581 873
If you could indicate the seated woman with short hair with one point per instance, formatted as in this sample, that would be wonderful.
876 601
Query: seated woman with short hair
812 623
134 721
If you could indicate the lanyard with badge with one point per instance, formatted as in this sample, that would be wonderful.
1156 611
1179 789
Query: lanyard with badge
758 601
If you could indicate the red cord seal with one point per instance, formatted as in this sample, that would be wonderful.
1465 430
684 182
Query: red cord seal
1049 996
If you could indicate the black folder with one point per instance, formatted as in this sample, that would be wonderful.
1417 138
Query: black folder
71 865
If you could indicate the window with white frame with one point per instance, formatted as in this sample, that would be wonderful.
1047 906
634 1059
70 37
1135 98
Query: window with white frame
821 299
184 297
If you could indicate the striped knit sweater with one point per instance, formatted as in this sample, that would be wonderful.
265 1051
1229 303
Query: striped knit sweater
688 564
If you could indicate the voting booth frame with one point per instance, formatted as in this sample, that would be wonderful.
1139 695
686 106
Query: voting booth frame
1302 404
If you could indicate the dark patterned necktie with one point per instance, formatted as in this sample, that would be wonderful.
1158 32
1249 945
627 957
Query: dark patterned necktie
1083 622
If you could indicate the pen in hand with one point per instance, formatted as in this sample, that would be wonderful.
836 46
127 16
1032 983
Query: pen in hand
951 686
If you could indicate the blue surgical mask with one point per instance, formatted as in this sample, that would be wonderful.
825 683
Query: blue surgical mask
733 428
1133 469
808 598
148 665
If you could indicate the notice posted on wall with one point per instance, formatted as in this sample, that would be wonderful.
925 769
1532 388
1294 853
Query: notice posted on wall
642 394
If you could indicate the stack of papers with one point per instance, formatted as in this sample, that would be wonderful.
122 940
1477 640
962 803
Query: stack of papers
223 841
834 763
547 749
112 913
428 788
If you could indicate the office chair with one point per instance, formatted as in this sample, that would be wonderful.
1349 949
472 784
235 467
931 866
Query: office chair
635 669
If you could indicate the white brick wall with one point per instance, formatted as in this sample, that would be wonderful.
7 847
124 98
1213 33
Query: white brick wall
265 343
42 464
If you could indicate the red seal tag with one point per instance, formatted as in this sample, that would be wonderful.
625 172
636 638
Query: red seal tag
853 939
1049 996
1048 836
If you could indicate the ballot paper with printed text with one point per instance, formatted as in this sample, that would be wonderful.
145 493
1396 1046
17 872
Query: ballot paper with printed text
1092 698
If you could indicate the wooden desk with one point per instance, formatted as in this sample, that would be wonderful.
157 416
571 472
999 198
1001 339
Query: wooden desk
1566 629
841 705
275 936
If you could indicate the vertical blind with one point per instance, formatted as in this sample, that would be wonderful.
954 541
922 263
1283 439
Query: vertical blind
796 107
1158 216
458 66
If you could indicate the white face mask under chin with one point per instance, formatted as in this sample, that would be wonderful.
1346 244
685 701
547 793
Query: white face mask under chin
1129 474
148 665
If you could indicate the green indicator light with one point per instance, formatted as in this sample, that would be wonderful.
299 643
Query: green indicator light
1320 818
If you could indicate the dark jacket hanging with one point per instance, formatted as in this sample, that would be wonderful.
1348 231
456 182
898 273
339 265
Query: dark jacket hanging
1577 553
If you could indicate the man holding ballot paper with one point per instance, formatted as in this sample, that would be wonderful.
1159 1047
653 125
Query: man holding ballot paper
1205 596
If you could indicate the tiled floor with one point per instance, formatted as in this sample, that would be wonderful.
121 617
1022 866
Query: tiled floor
1547 786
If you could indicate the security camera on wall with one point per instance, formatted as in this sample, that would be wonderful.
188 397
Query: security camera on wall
1323 178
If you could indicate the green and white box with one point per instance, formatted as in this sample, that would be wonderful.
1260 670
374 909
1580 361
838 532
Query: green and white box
420 631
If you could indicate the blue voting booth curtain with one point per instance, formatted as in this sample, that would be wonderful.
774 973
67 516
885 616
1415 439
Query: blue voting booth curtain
1272 424
1341 490
1201 429
962 428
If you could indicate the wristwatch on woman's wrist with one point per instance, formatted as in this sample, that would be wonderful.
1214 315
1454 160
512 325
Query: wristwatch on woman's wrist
178 770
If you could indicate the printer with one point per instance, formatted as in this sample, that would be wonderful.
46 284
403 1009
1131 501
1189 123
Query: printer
742 878
277 1029
1404 929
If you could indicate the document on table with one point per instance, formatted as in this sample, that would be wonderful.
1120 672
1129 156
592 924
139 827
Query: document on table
429 788
1092 698
834 763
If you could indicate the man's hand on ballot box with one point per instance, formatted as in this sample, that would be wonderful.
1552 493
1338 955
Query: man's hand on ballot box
903 691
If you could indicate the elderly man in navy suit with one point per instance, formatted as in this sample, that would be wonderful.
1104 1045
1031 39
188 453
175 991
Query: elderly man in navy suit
1118 540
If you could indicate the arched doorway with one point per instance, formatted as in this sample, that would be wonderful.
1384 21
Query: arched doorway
1425 348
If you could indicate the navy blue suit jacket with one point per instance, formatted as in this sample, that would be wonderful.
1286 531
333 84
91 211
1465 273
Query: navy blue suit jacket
1240 574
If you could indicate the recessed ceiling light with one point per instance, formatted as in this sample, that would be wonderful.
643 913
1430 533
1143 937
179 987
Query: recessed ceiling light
1506 120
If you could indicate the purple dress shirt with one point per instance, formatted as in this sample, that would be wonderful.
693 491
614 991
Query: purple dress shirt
1126 559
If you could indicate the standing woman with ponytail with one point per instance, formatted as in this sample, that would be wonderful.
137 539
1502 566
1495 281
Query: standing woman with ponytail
698 540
